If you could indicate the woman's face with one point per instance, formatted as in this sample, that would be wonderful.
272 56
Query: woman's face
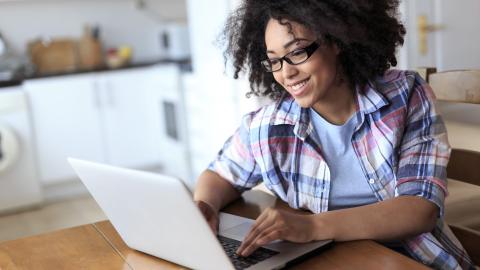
310 82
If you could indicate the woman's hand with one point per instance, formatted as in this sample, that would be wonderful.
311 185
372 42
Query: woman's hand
274 224
210 215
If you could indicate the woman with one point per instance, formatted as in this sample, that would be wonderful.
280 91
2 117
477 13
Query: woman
360 146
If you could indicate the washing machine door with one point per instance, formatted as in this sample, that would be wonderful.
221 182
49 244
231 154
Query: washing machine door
9 147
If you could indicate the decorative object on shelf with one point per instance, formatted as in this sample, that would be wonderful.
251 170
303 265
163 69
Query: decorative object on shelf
90 48
119 57
54 56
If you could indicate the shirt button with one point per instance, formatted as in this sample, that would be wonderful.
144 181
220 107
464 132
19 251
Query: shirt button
371 181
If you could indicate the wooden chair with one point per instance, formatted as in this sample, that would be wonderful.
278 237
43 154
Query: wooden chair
464 165
470 240
454 86
462 206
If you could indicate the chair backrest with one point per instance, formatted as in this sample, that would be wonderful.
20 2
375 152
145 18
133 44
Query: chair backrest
456 85
464 165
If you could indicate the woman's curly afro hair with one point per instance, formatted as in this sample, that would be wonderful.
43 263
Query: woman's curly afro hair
366 31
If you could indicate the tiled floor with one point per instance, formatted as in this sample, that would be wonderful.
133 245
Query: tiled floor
50 217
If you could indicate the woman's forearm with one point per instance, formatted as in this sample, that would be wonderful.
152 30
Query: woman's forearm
212 189
388 220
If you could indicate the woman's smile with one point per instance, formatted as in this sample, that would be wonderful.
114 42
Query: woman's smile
298 88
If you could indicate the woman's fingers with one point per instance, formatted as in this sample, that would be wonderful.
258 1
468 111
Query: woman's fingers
268 236
277 225
261 222
266 220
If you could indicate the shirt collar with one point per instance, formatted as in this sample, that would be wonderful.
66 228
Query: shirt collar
369 99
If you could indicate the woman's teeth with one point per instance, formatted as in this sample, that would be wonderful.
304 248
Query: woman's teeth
299 85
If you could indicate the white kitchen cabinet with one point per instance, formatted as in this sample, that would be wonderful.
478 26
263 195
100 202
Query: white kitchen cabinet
173 127
66 122
113 117
131 117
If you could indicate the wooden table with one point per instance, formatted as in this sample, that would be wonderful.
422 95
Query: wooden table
98 246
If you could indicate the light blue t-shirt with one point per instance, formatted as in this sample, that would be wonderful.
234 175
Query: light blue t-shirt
349 187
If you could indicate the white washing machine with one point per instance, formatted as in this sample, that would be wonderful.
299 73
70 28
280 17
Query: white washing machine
19 182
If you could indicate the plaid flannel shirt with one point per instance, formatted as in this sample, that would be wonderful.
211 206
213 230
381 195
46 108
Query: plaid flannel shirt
401 143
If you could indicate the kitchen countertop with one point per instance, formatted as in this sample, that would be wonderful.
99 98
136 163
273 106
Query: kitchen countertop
185 65
8 83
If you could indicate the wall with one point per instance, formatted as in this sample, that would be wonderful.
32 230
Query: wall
121 21
215 102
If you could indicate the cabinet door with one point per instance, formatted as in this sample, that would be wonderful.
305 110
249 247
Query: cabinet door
66 120
132 128
171 103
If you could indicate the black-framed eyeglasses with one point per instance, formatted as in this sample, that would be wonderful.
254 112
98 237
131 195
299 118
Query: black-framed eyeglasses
295 57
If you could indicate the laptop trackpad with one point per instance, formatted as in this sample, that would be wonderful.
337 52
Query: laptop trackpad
238 232
237 228
234 226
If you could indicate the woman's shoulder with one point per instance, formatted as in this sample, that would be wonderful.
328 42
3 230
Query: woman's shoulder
277 112
399 77
395 82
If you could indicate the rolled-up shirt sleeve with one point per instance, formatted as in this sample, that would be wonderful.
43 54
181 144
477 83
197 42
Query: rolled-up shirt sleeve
235 161
424 151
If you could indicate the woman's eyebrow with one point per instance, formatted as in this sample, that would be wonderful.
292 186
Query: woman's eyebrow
288 44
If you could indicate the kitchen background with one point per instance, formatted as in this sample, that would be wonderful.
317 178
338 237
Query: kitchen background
133 83
136 23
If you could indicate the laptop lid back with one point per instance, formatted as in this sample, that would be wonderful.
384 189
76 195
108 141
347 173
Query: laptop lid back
154 214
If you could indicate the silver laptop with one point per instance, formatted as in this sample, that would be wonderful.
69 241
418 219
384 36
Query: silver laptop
155 214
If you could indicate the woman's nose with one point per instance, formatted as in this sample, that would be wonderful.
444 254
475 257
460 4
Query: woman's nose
289 70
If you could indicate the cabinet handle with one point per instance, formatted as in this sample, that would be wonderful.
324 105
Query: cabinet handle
96 95
110 97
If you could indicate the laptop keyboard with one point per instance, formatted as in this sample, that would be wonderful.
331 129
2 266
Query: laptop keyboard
231 245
